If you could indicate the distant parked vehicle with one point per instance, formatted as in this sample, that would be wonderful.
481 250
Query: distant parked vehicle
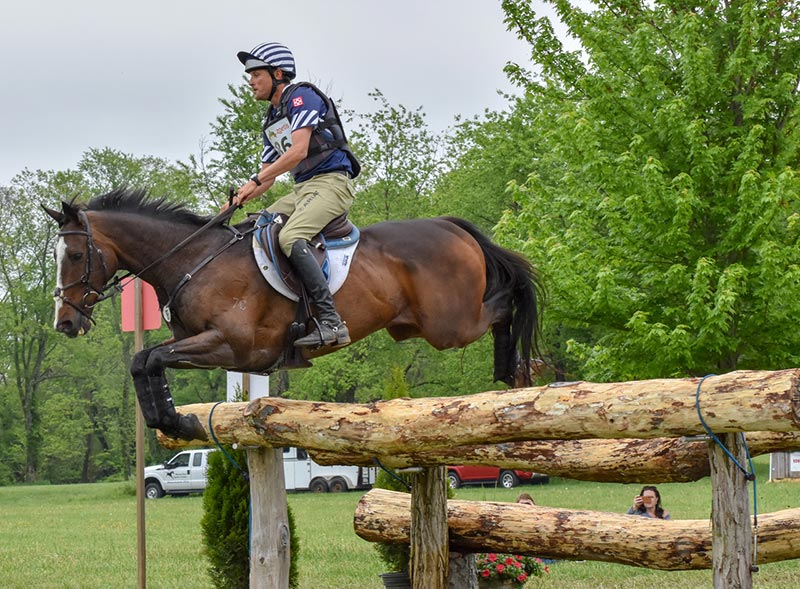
186 473
301 473
482 475
183 473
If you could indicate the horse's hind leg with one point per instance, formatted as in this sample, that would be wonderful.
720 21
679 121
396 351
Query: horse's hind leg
505 354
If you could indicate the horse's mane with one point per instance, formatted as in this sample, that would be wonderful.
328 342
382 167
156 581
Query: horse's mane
139 201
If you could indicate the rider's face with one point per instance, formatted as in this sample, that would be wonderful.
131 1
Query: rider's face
261 83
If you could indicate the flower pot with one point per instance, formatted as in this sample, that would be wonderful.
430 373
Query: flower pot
496 583
396 580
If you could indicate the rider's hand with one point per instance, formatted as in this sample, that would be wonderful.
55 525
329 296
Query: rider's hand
243 194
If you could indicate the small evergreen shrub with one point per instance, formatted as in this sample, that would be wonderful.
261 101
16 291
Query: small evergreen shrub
226 524
226 521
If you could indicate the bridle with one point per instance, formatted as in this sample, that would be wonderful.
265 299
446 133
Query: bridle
114 284
86 277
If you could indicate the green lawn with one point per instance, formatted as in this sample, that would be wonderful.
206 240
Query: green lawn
84 536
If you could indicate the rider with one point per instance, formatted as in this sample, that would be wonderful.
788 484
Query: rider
302 134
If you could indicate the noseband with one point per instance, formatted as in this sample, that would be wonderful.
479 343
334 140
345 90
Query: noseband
85 279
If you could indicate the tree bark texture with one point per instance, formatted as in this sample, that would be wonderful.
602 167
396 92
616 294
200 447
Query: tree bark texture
730 515
429 542
462 573
269 537
659 460
476 526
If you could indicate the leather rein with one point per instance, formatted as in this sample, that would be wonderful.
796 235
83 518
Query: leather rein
114 284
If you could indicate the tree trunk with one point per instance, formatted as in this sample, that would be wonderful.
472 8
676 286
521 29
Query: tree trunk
382 516
730 515
429 551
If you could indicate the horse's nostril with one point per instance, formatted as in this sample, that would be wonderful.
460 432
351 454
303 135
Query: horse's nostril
64 326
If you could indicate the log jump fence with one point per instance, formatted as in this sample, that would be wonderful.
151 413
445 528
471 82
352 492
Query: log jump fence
578 430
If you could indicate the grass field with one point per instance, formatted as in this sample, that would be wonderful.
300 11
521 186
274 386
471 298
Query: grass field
84 536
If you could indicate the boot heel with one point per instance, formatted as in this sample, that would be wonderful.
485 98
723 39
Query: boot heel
342 337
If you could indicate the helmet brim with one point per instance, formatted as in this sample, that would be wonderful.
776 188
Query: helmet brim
244 56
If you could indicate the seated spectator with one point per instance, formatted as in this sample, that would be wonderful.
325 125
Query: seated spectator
648 504
525 499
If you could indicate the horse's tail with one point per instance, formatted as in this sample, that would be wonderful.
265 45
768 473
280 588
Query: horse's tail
515 289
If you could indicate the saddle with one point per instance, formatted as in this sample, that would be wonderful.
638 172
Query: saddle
339 233
333 248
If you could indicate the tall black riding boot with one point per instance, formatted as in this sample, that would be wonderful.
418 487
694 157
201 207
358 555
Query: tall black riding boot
331 330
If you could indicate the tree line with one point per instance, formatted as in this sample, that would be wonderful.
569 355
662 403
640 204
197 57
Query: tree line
646 166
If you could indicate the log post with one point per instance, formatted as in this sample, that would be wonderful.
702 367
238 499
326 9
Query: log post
269 539
462 572
429 545
732 555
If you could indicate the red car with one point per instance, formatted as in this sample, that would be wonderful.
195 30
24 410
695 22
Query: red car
467 475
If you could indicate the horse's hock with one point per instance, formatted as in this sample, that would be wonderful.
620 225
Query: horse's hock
581 420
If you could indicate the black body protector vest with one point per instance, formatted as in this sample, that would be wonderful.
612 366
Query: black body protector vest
326 137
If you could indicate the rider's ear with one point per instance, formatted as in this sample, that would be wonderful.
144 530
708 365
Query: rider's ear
59 216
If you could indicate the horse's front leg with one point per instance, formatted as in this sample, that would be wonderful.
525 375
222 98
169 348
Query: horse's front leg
155 399
205 350
144 393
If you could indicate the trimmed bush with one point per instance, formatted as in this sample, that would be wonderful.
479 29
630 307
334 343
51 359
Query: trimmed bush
226 523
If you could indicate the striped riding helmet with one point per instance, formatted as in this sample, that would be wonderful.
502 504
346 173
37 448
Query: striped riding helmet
268 55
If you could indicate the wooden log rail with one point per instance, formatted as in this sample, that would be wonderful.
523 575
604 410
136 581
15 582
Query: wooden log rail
660 460
657 460
477 526
738 401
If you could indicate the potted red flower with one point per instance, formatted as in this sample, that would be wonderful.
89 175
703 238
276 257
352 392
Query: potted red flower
506 570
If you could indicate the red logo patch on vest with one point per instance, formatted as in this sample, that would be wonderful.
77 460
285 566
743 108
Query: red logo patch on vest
297 102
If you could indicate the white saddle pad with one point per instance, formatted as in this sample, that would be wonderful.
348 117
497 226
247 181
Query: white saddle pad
338 267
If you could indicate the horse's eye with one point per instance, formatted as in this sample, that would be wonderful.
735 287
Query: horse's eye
76 257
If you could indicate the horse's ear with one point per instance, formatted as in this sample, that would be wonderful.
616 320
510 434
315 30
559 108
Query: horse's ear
59 216
70 212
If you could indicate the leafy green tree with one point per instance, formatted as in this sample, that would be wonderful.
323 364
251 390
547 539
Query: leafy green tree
234 151
402 160
66 406
235 147
662 204
26 308
484 155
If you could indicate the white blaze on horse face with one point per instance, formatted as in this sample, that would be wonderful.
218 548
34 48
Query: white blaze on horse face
61 253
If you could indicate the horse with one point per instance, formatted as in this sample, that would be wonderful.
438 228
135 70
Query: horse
439 278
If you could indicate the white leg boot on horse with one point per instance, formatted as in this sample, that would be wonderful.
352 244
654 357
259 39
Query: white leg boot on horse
330 330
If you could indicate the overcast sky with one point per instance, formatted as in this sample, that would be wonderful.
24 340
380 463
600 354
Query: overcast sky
145 77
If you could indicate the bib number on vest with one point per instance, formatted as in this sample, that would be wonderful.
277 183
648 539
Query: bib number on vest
279 135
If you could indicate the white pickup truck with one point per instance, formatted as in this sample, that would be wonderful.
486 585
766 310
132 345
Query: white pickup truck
186 473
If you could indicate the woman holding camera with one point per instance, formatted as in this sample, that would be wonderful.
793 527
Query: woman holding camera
648 504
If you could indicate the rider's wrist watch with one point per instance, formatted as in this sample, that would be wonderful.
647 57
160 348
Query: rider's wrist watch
255 179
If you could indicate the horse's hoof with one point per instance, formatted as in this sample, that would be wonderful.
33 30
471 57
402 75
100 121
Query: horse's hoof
188 428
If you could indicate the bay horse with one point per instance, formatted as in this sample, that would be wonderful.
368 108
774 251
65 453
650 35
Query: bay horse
440 279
